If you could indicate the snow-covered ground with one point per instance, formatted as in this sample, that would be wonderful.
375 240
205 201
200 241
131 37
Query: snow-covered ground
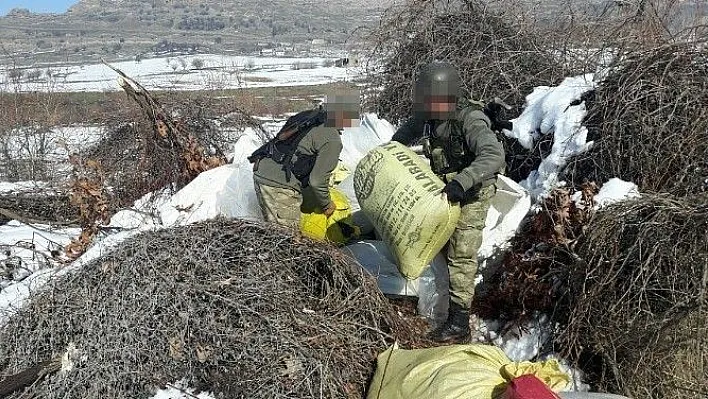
192 72
228 191
50 147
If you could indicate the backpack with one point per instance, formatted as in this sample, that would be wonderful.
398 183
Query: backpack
494 110
283 147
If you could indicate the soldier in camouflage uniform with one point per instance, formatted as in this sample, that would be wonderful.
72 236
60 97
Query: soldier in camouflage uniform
465 153
282 201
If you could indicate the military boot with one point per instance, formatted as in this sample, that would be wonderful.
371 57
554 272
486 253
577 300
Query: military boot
456 328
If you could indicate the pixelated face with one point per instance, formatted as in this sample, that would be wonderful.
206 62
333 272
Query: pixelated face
437 100
343 110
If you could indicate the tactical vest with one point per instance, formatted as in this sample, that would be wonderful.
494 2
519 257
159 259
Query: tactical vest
449 155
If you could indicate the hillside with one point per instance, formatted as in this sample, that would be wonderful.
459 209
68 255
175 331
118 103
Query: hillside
128 28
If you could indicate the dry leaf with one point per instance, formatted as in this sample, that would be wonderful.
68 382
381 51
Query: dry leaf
176 347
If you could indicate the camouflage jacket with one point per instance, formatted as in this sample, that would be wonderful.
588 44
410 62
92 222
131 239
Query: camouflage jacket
326 144
463 149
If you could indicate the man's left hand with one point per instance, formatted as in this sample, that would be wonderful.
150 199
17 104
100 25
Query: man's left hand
454 192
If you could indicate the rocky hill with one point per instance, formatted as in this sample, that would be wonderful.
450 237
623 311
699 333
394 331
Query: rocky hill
128 28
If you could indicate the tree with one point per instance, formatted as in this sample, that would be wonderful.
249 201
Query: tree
197 63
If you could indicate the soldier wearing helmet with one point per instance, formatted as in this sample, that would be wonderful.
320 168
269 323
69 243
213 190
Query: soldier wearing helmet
465 153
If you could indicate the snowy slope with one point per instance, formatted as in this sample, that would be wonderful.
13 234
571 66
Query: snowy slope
51 146
179 73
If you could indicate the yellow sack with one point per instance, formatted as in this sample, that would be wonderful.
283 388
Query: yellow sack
322 228
403 198
454 372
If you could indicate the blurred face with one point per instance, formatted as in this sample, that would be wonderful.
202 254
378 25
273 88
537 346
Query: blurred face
343 119
343 110
439 107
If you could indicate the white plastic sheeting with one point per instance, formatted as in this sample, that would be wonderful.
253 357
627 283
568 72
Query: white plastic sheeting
509 206
224 191
431 287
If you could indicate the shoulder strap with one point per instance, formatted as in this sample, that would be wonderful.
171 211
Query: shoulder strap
301 123
492 113
282 147
292 133
474 109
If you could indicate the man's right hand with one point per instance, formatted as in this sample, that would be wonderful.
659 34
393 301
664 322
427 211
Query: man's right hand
454 191
329 210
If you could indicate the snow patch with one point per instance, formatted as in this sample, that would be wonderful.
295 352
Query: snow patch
577 377
179 390
218 72
22 187
26 249
615 190
518 343
547 111
52 146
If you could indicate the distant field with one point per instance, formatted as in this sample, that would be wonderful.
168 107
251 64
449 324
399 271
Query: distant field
52 109
208 71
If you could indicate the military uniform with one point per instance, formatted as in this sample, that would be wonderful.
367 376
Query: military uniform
465 153
464 150
281 201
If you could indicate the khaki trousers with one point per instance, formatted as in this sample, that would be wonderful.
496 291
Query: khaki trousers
279 205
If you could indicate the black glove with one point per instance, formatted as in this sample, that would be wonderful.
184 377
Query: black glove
454 191
496 114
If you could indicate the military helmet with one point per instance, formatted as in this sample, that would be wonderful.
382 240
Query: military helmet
437 79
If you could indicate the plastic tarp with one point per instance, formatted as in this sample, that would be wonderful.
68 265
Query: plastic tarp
431 287
508 208
322 228
455 372
229 190
224 191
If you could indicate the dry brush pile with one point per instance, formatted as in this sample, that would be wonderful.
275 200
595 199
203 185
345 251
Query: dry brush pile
640 299
649 121
495 58
627 284
165 148
54 208
237 308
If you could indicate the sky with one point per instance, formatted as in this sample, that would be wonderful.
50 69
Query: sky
36 5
